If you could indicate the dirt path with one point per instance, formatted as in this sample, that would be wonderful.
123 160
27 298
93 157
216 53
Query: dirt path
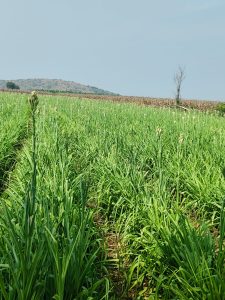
114 261
116 265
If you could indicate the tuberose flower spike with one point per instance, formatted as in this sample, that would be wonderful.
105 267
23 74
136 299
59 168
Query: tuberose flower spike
33 100
159 131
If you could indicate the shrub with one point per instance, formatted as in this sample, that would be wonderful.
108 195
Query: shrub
11 85
221 108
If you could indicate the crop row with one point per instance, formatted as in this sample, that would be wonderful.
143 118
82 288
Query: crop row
13 129
49 247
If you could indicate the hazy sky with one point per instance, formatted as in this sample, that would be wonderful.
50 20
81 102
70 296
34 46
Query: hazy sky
132 47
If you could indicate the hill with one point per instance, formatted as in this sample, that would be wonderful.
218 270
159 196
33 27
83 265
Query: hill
55 85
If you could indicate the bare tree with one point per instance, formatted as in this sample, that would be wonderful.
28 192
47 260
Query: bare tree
178 79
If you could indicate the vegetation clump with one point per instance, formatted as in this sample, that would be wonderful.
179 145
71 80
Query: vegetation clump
220 108
11 85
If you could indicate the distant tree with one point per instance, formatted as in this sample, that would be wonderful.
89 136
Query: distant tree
178 79
11 85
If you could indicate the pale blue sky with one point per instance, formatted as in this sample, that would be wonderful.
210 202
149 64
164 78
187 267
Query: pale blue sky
132 47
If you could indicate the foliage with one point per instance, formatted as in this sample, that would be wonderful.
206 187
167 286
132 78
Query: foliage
13 129
221 109
11 85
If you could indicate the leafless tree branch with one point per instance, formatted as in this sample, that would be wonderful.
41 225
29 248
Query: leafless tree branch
178 79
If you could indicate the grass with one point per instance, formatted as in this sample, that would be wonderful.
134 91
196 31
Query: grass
156 178
13 129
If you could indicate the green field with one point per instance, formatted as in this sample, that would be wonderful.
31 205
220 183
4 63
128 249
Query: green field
110 201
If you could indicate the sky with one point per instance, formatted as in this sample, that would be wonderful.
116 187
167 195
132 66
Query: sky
130 47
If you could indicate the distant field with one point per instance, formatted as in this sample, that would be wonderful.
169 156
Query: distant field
111 200
203 105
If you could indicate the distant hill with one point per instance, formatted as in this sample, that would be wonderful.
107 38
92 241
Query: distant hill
55 85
